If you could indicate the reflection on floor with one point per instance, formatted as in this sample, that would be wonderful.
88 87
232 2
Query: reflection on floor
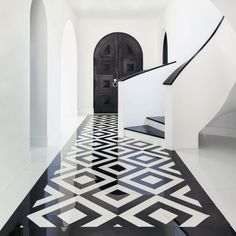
107 185
15 185
214 166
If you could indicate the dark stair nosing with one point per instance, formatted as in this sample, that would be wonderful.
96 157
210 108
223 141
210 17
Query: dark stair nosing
148 130
159 119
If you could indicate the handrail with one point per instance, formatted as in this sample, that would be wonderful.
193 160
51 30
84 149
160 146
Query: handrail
143 71
171 79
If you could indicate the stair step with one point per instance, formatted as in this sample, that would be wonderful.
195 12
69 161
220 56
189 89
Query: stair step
157 122
159 119
147 130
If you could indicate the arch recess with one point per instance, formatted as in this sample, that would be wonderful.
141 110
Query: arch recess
38 74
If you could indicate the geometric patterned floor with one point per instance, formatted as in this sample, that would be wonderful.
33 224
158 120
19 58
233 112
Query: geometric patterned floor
107 185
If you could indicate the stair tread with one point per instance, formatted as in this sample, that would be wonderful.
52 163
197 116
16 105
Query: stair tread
159 119
148 130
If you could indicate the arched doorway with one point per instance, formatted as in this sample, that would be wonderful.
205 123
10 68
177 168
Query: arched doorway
116 55
165 49
38 74
68 90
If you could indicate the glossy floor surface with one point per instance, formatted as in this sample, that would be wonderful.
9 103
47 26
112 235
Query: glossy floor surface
105 185
214 166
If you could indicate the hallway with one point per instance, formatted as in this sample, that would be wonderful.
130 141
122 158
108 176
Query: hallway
105 185
117 118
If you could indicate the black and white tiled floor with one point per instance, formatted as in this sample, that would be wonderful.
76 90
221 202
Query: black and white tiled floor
107 185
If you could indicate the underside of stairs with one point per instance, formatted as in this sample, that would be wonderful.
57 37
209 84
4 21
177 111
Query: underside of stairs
152 131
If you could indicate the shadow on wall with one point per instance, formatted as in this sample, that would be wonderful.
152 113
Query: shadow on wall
221 130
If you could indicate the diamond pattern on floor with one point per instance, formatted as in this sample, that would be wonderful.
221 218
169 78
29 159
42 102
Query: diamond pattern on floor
116 183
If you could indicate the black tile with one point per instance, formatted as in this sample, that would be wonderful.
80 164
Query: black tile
118 195
117 167
148 130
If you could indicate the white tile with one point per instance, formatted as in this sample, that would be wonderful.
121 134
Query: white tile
90 158
95 144
163 216
140 144
72 216
151 179
144 158
83 179
206 164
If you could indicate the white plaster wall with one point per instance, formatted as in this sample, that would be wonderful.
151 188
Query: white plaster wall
15 81
201 90
58 12
69 77
227 8
147 31
188 24
195 21
14 88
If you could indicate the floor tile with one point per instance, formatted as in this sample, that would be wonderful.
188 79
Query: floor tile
105 185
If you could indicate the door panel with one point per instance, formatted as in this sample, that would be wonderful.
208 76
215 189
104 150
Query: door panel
115 56
130 56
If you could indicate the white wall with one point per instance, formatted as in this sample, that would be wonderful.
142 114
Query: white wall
14 87
15 81
201 90
195 22
147 31
68 77
38 74
227 8
188 23
58 13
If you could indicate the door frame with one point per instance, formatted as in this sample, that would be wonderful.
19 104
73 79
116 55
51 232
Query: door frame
97 48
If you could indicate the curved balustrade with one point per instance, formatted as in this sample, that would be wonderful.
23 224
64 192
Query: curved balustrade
171 79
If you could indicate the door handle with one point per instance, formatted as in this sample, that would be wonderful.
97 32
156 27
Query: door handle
115 83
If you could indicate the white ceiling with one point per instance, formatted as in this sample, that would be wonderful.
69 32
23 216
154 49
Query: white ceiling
117 7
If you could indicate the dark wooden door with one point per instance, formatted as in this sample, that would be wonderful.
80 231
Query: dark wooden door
116 55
